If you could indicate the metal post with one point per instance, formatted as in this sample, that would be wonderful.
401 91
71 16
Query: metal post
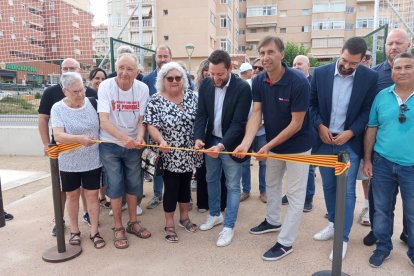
189 64
2 218
341 187
61 252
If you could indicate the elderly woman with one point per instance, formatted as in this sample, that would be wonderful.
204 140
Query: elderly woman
170 117
74 120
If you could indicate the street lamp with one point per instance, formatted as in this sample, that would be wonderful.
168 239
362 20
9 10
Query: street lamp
190 49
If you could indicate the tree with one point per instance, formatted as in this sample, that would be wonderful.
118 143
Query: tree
292 50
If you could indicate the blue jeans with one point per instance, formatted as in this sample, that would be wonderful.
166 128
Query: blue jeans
158 185
387 176
233 171
122 170
258 143
310 187
329 185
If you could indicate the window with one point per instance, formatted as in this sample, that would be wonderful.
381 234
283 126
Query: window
52 34
305 12
305 29
225 44
76 38
10 2
54 48
242 48
242 15
12 20
283 13
23 6
212 43
52 19
165 12
350 9
271 29
225 21
224 1
242 32
261 11
75 24
212 18
24 23
1 17
119 20
253 31
363 23
349 26
334 24
282 30
329 7
75 11
13 36
254 47
77 51
334 42
24 39
51 5
166 38
1 34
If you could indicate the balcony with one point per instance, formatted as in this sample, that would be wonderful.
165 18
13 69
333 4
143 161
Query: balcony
147 25
254 37
261 21
365 1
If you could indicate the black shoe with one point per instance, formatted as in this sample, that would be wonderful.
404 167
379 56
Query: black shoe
404 238
370 239
8 216
308 206
264 227
277 252
285 200
378 258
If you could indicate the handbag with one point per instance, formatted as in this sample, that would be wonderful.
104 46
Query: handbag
151 162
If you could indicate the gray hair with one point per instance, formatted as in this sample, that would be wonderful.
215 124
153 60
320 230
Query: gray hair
131 55
165 69
72 60
124 49
70 78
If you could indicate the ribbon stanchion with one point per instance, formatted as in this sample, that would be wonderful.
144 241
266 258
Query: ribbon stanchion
330 161
339 222
2 217
61 252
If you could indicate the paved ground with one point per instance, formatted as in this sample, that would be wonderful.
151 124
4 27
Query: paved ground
23 240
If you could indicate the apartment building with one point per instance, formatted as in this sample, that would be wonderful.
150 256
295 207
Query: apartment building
100 38
35 35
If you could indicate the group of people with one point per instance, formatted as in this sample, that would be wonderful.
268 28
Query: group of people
281 110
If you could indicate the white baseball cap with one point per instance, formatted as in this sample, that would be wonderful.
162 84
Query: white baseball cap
245 67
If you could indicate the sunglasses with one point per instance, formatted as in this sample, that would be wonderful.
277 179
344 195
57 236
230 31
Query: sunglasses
401 117
368 57
176 78
260 68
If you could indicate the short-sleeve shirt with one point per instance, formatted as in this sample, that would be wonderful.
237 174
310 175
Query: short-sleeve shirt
177 128
290 94
394 140
77 121
124 107
384 75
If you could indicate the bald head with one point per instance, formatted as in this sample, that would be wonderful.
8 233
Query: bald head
397 43
70 65
301 63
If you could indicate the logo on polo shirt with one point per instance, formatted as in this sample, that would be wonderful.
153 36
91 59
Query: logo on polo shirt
284 100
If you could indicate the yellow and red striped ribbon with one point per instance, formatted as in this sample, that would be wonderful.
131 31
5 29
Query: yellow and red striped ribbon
330 161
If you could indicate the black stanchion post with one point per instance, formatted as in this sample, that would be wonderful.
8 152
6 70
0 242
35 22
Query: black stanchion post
61 252
341 186
2 218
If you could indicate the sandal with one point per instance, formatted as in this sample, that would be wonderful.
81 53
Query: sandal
98 241
117 239
188 225
105 204
139 233
75 239
170 234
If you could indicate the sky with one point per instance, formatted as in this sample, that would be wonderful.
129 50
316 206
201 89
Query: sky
100 9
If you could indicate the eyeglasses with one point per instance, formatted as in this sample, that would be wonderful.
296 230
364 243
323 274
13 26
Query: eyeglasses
352 64
77 91
367 57
401 117
260 68
176 78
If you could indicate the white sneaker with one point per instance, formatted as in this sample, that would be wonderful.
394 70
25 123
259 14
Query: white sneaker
211 222
123 208
226 235
344 249
326 234
139 210
364 217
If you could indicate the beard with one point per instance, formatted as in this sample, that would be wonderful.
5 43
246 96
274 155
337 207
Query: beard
345 72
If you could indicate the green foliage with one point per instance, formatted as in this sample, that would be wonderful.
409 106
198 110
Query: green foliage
292 50
38 95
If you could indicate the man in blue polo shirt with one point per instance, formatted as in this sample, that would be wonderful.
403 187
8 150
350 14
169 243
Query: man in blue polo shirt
282 97
388 143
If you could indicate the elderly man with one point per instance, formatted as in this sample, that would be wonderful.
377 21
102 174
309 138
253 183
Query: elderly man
128 49
281 98
389 156
223 106
341 96
302 63
51 96
397 42
121 108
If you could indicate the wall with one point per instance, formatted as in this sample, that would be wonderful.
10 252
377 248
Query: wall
20 141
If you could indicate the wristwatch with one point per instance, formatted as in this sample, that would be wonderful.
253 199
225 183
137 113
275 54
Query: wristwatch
222 148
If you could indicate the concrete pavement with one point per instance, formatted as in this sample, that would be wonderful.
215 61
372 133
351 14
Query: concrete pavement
25 238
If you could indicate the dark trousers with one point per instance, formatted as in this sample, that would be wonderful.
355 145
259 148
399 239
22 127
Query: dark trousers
177 188
202 194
